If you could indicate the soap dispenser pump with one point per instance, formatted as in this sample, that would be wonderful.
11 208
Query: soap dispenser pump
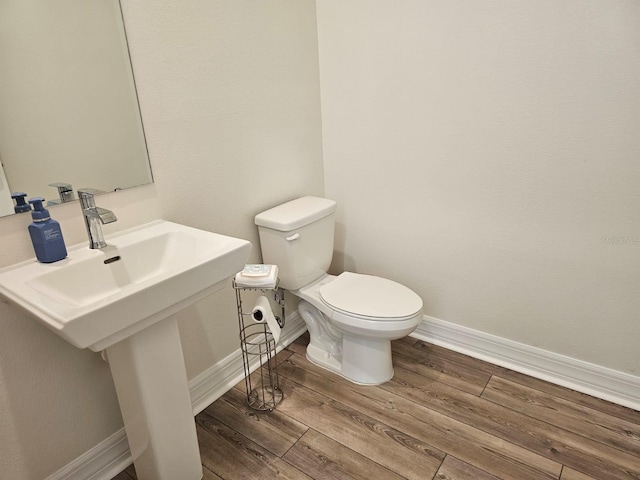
21 204
46 234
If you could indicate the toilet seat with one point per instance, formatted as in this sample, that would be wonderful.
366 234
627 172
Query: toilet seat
370 298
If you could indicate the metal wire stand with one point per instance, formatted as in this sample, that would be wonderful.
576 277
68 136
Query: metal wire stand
258 351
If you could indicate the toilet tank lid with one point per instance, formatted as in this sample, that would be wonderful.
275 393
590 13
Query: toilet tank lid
296 213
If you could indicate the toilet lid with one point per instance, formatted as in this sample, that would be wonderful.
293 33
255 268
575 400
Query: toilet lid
369 296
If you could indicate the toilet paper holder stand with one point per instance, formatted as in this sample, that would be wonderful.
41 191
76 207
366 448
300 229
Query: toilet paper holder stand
259 349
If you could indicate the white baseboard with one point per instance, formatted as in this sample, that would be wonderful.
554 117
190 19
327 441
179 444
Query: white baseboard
102 462
111 456
594 380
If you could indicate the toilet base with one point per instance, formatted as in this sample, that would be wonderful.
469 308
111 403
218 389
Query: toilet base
365 362
360 356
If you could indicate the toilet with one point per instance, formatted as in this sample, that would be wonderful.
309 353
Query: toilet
352 317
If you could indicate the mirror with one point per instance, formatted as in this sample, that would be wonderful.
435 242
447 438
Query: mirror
68 105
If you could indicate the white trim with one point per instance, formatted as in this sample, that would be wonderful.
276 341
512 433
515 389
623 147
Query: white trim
111 456
102 462
595 380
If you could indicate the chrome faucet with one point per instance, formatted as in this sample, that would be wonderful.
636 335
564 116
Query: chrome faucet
94 216
65 192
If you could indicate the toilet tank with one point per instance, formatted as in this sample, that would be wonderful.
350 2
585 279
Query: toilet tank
298 237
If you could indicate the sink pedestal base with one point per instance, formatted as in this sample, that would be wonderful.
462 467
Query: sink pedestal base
151 382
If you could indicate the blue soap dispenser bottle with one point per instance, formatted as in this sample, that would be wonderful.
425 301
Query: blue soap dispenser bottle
46 234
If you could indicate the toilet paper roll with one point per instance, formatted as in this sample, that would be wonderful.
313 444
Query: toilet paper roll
262 313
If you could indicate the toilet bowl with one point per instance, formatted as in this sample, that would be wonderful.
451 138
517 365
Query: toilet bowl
352 317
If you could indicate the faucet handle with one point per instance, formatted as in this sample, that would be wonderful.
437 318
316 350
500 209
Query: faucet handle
89 192
65 191
86 197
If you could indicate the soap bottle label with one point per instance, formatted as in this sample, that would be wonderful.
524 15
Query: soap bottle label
51 234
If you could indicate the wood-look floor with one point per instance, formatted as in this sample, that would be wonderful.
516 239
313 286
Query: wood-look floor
443 416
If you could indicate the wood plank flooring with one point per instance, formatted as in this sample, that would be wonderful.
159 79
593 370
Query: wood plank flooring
444 416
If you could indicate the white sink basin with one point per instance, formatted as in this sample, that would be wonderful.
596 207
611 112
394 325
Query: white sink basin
94 299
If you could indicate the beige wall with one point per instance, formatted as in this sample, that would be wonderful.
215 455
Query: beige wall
486 154
230 100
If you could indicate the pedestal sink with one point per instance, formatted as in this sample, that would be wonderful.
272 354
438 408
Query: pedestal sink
122 299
